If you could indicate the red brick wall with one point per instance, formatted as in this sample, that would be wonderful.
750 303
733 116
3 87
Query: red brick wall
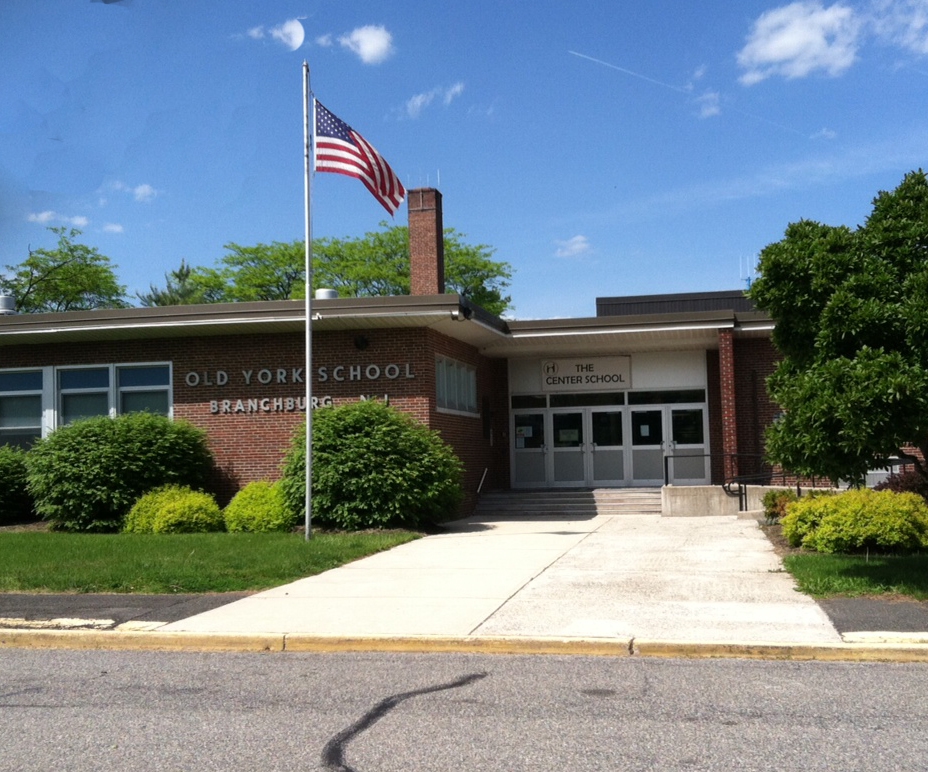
755 360
469 434
729 407
426 242
714 400
250 425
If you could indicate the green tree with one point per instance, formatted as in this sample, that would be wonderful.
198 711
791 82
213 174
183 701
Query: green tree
184 287
376 264
851 313
71 277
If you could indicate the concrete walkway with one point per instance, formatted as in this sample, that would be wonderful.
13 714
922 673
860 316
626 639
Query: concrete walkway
618 578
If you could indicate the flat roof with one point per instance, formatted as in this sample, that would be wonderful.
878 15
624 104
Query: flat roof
451 315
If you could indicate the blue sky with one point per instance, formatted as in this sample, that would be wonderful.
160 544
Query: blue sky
601 148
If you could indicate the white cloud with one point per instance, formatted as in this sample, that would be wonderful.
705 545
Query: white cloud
824 133
144 192
455 91
698 74
416 104
372 44
572 247
141 193
112 227
290 33
708 104
43 218
796 40
324 41
903 23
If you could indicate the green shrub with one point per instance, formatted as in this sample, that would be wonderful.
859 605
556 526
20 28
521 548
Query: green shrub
804 515
859 520
775 503
259 507
86 476
175 509
373 467
15 501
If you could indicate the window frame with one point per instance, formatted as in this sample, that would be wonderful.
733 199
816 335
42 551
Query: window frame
456 387
40 392
52 394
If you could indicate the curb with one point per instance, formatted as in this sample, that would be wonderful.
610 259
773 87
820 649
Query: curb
282 643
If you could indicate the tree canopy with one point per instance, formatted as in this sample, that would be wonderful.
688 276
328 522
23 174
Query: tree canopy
376 264
851 314
71 277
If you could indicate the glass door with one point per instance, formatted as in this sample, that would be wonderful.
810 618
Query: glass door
607 453
647 446
529 451
688 464
568 448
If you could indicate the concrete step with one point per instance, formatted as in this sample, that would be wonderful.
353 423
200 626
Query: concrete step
573 502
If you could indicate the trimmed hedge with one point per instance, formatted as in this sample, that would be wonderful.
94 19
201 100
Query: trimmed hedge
259 507
373 467
86 476
175 509
858 520
15 501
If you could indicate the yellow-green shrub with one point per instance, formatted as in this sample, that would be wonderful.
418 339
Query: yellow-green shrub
174 509
259 507
858 520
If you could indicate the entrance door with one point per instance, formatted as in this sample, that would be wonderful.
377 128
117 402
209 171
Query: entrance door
529 465
607 454
647 446
688 463
676 433
569 448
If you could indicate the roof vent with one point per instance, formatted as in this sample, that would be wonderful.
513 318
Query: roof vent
326 294
7 305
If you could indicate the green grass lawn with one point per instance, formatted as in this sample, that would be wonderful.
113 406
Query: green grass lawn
830 575
143 563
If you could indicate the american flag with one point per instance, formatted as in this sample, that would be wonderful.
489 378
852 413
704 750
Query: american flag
340 149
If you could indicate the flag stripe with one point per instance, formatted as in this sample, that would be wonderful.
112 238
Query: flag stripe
341 150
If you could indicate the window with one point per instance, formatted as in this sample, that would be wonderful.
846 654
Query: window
666 397
20 407
83 393
142 388
68 394
455 386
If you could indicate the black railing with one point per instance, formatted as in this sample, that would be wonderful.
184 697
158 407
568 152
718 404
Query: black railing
788 479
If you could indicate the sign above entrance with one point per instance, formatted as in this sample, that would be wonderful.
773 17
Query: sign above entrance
586 374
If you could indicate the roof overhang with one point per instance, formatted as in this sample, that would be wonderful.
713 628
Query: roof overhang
613 334
445 313
450 315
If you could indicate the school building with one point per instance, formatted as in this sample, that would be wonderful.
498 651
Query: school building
652 390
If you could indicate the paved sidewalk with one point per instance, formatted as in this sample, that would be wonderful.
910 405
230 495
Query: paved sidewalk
619 578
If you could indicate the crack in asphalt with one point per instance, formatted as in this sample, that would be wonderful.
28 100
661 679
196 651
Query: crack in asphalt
333 755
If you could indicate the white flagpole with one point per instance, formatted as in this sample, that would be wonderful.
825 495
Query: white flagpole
308 135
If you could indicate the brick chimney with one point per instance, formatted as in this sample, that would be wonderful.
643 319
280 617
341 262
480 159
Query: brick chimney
426 242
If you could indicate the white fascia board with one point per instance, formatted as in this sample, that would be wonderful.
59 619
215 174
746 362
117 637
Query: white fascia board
625 330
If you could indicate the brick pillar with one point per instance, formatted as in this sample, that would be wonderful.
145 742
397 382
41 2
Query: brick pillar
426 242
729 409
